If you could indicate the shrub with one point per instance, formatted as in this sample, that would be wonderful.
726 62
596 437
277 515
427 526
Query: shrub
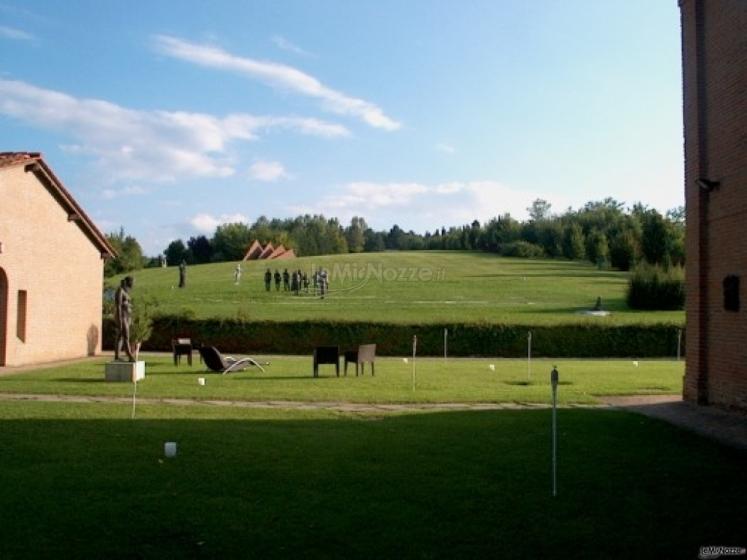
522 249
656 287
475 339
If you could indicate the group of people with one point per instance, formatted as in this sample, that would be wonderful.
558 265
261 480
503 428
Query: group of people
298 281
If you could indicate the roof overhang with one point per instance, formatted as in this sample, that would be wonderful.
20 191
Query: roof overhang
75 213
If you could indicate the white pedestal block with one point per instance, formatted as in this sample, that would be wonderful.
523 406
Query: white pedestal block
125 371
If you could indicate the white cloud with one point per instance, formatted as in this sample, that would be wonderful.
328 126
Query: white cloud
206 223
276 75
424 206
15 34
147 145
445 148
109 194
284 44
268 171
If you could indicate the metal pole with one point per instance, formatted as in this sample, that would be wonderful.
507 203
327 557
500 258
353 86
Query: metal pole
529 356
679 344
414 351
554 383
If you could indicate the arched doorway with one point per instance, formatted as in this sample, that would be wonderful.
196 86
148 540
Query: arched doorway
3 313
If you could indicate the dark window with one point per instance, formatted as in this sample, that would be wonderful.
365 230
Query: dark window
21 315
731 293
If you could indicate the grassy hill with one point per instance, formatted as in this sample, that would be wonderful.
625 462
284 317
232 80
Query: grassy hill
407 287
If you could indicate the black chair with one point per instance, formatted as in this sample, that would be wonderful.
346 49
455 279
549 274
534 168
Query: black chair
364 353
326 355
181 347
215 361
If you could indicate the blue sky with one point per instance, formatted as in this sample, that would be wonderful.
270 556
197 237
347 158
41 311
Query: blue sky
171 119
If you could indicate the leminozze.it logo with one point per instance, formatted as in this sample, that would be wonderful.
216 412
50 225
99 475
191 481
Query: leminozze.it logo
710 552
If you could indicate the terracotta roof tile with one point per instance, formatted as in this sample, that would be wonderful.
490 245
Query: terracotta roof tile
14 158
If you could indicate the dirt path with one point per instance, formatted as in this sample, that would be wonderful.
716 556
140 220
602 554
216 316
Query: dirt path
295 405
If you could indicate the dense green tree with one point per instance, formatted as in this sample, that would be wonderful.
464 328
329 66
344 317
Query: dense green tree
355 234
539 210
231 241
129 254
176 252
375 241
597 248
624 249
200 249
574 243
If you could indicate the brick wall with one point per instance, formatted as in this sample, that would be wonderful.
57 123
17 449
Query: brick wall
56 264
714 55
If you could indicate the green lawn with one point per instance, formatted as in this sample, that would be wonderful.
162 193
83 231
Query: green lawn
82 481
408 287
289 378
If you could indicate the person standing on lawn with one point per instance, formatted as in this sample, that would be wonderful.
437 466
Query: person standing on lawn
277 280
268 279
286 280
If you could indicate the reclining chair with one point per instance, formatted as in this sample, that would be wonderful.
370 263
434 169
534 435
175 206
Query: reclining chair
215 361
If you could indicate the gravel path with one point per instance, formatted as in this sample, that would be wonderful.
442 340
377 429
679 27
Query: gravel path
296 405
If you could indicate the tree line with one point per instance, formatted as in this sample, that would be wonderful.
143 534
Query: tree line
605 232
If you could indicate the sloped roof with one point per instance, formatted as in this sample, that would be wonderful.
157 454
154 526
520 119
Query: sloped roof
34 162
254 251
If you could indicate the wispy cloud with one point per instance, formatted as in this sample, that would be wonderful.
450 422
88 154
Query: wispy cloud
147 145
284 44
447 203
276 75
268 171
15 34
109 194
445 148
206 223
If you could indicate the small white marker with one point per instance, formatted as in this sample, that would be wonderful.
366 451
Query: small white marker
635 363
492 367
169 449
405 360
200 380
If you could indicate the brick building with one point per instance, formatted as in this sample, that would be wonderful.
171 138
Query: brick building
51 267
714 60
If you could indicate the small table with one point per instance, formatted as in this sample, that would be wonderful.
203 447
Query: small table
182 347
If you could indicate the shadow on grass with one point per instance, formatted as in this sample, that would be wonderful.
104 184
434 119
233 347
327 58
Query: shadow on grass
459 484
560 273
80 380
535 383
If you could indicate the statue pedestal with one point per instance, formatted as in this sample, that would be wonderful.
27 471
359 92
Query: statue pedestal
125 371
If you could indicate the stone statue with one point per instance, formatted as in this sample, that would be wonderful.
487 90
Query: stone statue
183 274
123 318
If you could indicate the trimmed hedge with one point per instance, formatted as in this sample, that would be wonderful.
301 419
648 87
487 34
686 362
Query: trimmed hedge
510 341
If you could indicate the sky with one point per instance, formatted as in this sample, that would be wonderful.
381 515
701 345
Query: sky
172 119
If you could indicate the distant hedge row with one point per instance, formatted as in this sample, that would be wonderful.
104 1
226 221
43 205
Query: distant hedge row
300 337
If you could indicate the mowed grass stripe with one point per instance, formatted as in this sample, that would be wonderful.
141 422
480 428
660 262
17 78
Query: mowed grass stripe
409 287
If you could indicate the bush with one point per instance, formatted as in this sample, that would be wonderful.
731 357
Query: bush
522 249
656 287
300 337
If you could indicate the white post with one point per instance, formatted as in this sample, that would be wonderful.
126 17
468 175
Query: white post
679 344
414 351
446 343
554 383
134 396
529 356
